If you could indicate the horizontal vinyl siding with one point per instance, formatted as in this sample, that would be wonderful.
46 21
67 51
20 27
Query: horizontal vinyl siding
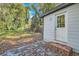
49 28
73 26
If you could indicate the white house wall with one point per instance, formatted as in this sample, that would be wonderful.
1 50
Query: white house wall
73 26
49 28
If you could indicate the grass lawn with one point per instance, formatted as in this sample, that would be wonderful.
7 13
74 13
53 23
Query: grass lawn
15 35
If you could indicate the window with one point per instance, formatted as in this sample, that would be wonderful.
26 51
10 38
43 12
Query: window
61 21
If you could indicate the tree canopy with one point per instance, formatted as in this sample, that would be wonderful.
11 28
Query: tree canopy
12 17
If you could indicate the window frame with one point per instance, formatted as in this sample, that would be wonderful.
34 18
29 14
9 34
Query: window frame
63 14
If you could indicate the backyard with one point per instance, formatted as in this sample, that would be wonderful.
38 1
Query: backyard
26 29
25 46
21 30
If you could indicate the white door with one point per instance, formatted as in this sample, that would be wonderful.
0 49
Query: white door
60 27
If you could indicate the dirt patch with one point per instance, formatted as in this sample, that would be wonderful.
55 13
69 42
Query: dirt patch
25 46
30 49
14 42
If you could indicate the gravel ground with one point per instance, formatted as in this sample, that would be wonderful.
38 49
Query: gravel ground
30 49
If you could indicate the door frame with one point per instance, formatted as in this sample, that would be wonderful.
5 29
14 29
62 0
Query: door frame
66 24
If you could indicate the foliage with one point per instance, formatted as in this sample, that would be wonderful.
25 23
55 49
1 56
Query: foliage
37 22
12 17
45 7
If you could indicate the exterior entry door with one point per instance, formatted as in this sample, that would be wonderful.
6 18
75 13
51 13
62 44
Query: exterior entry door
60 27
